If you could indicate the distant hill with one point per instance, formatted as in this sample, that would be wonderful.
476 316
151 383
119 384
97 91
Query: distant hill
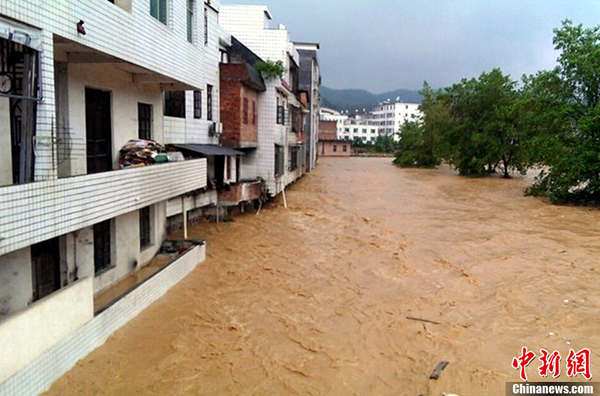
352 99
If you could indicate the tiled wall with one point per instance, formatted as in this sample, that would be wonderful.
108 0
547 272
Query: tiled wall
30 213
42 372
134 36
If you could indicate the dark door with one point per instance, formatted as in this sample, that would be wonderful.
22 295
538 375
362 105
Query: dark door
45 262
219 170
98 131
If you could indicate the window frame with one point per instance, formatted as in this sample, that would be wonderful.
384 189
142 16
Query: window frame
197 104
161 12
171 108
209 102
190 19
245 111
145 120
102 236
145 217
205 25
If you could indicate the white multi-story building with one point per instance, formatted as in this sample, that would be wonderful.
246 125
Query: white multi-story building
78 80
391 116
280 153
310 82
355 127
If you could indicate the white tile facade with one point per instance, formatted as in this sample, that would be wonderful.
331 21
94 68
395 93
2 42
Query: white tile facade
250 25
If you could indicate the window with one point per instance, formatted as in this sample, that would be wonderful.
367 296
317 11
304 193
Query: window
280 113
190 21
158 9
293 158
197 104
209 102
102 247
278 160
144 121
145 238
245 111
253 112
175 104
205 26
335 148
344 148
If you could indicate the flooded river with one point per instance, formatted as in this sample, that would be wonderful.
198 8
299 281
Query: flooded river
314 299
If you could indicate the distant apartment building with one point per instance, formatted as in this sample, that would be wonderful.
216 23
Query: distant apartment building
283 134
359 126
391 116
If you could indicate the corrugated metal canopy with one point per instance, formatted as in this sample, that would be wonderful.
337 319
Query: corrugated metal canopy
208 149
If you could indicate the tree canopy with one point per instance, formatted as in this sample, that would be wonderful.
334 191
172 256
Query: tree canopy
492 123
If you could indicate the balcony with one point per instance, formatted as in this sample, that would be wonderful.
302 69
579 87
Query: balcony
240 192
30 213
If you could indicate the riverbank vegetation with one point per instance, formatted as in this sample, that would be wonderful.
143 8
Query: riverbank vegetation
492 123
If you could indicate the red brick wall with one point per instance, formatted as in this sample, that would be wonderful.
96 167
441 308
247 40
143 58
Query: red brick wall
233 91
327 130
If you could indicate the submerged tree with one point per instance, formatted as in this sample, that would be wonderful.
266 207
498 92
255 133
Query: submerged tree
564 116
418 145
483 133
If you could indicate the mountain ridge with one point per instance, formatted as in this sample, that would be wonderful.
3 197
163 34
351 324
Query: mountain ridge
359 99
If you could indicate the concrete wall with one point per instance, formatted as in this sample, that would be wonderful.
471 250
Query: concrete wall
37 376
126 255
58 315
334 148
15 281
125 96
144 40
5 143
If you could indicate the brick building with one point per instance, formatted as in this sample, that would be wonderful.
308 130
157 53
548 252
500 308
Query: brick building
329 145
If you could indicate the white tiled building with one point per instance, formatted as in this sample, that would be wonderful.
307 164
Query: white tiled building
391 116
78 79
350 128
310 81
280 153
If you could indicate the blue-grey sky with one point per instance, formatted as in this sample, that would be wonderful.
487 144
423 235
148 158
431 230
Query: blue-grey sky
382 45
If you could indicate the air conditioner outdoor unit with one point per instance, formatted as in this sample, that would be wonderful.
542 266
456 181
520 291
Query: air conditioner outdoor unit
215 129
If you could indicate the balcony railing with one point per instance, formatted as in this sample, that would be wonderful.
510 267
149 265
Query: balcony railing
31 213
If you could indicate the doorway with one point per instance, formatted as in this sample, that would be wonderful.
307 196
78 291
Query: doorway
45 262
98 131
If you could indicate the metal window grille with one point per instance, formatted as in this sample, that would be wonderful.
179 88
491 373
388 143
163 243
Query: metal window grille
197 104
209 102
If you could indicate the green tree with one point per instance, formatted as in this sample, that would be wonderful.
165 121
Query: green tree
414 149
483 134
564 117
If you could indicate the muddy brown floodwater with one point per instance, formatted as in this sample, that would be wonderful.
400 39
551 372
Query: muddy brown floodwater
314 300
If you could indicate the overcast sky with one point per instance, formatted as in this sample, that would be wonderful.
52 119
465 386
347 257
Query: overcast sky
382 45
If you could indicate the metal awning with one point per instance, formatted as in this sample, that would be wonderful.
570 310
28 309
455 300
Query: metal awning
208 149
